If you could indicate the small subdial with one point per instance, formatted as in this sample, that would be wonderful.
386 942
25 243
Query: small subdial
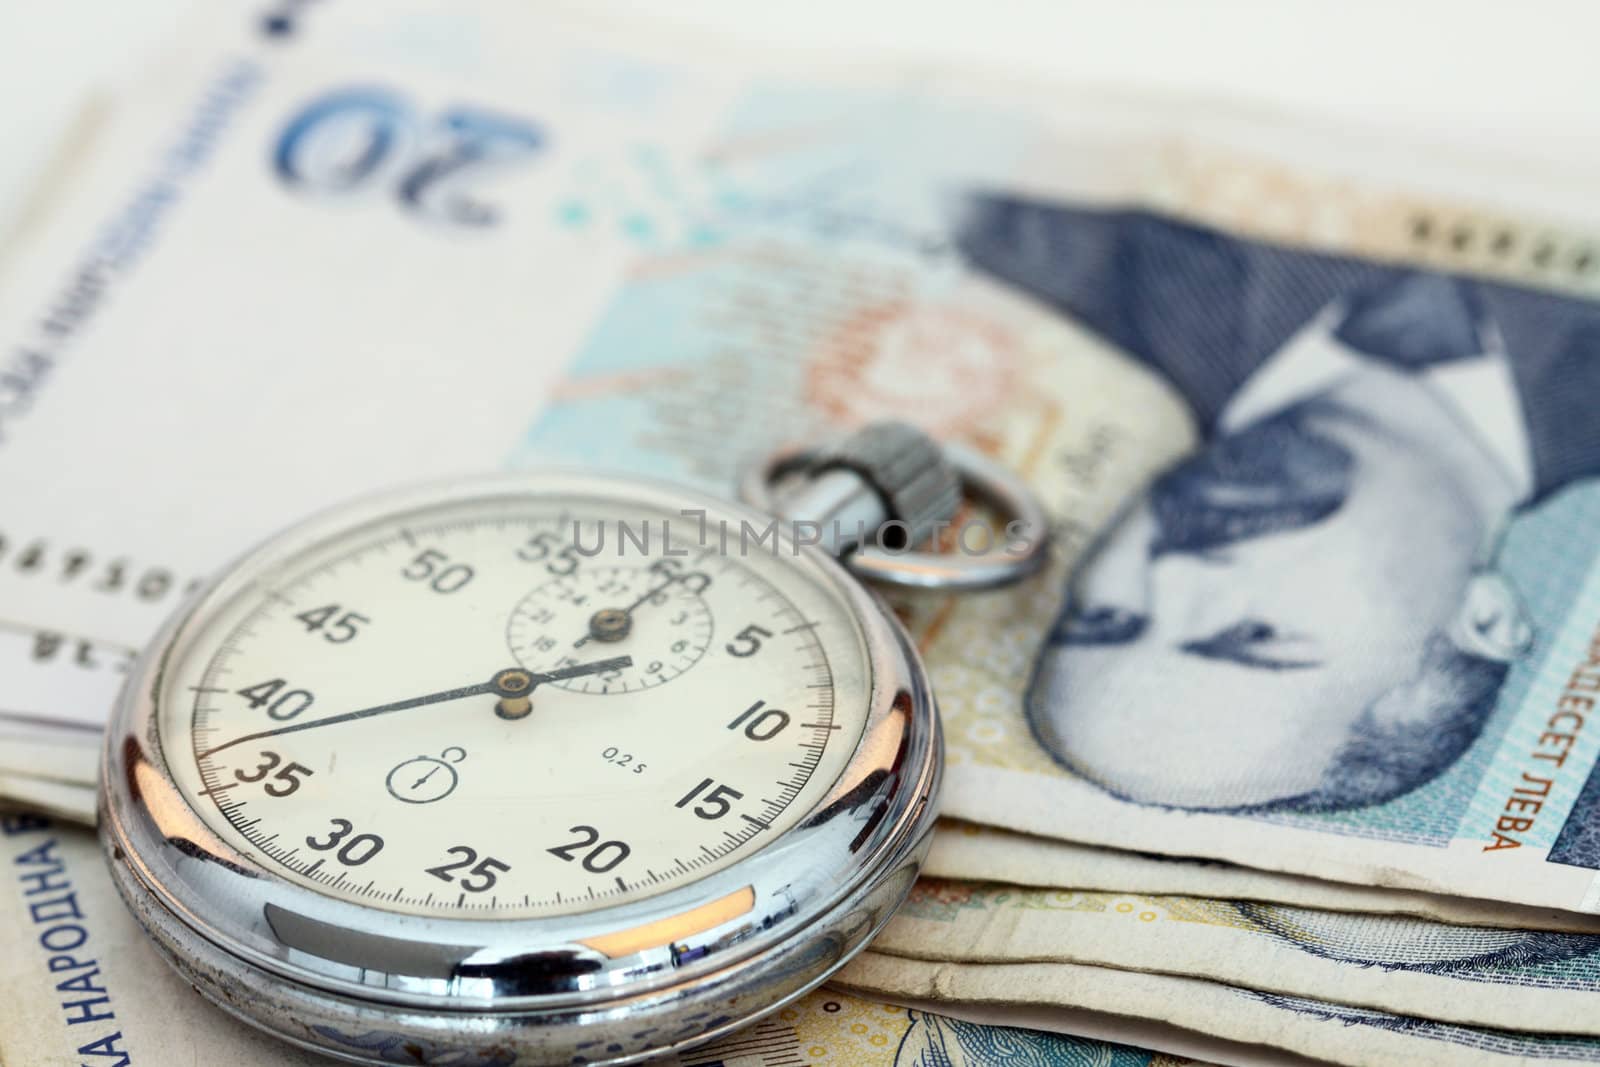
655 614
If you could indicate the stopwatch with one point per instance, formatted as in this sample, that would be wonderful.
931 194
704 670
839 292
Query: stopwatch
544 767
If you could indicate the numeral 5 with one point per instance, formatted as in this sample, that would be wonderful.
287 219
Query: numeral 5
747 642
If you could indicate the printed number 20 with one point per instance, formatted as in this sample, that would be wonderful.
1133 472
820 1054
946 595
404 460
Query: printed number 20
355 139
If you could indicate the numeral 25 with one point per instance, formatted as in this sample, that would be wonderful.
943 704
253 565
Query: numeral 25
480 878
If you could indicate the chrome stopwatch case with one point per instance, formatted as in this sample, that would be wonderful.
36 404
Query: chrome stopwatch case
540 768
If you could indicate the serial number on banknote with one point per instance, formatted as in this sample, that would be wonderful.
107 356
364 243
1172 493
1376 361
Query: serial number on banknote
112 575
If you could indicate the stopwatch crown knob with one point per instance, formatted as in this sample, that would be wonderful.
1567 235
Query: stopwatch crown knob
905 468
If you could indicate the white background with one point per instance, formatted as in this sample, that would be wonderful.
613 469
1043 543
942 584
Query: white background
1518 81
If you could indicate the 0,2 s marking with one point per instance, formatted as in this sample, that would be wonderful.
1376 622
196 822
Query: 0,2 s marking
619 758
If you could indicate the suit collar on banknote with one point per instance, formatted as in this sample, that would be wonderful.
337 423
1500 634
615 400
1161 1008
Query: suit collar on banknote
1475 387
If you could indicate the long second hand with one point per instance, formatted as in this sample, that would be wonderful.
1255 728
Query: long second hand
492 686
351 716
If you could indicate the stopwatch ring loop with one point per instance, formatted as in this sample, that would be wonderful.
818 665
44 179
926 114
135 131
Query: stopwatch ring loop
1018 549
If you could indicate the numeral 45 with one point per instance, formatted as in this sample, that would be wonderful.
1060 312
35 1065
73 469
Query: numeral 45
336 625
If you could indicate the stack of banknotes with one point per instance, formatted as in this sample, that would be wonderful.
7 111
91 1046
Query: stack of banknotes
1283 759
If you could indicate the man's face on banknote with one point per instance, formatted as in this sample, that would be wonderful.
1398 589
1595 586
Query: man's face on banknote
1398 942
1271 626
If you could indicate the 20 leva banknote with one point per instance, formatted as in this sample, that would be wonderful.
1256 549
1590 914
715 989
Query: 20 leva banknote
966 852
1335 1033
1347 637
1479 976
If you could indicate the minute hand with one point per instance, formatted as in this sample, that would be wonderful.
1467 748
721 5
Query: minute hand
491 686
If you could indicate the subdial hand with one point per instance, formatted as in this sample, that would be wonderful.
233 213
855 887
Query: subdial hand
511 685
613 624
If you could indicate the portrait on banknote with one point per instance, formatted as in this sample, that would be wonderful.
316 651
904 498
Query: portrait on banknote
1395 943
938 1041
1308 614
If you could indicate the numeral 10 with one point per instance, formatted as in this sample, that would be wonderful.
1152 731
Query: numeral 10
764 725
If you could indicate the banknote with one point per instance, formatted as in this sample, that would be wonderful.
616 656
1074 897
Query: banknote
83 985
1111 1028
65 800
967 852
71 756
1334 1033
1478 976
832 1027
1370 657
34 746
57 691
1349 635
232 144
58 678
414 308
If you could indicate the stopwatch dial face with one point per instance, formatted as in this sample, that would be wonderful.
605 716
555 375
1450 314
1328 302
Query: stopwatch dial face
515 706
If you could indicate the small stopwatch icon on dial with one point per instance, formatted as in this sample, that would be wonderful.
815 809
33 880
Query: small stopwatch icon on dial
654 613
424 779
